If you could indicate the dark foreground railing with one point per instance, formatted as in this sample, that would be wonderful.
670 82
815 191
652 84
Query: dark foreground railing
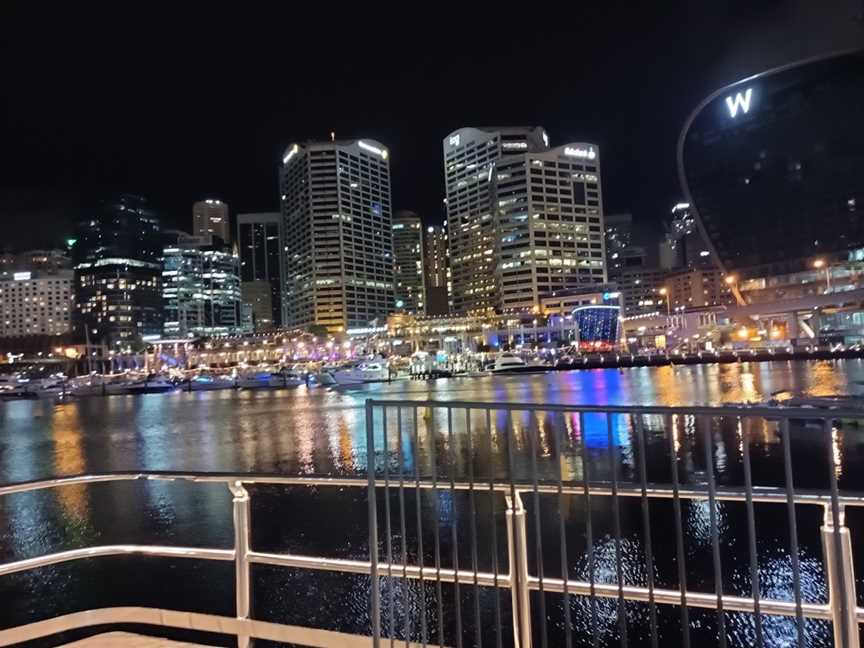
539 464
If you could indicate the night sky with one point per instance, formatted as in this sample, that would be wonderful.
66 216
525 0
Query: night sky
191 103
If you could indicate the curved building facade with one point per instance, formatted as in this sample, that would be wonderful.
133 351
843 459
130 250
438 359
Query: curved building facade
773 166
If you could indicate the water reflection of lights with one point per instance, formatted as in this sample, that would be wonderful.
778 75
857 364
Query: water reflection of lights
605 571
69 459
775 582
837 452
699 521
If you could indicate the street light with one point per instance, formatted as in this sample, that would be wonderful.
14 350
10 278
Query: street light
663 291
820 263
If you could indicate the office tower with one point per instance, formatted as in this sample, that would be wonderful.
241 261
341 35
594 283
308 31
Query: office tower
408 262
118 275
436 270
201 287
683 245
35 298
524 220
337 225
621 251
640 290
260 241
211 217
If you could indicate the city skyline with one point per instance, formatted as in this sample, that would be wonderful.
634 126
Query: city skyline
176 152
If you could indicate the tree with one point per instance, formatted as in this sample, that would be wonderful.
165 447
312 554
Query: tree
318 330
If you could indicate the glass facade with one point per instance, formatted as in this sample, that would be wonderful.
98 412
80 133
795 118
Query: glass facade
201 280
259 238
408 266
118 276
774 166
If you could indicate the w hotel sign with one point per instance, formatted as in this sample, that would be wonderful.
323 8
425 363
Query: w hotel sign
739 102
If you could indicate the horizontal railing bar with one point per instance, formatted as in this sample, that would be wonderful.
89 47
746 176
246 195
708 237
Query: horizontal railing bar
762 411
195 621
762 495
115 550
413 572
603 590
694 599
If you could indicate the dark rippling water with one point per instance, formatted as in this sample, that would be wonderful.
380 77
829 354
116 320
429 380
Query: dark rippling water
320 431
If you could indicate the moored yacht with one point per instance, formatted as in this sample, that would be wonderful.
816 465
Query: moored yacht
270 380
152 384
507 362
356 374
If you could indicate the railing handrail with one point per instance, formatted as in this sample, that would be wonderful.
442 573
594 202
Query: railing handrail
742 409
761 494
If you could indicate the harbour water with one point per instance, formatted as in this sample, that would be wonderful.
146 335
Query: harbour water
322 432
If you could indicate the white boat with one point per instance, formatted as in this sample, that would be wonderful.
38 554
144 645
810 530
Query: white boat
358 374
268 380
206 382
325 377
152 384
507 362
35 388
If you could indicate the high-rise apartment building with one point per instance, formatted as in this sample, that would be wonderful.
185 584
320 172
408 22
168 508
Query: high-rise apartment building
436 270
118 275
408 262
211 217
201 287
260 242
524 219
337 223
35 301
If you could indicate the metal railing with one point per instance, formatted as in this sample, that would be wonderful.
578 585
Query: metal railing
464 431
537 456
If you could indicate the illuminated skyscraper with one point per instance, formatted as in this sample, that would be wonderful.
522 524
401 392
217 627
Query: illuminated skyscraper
201 287
211 217
338 234
259 239
524 220
408 267
436 270
118 275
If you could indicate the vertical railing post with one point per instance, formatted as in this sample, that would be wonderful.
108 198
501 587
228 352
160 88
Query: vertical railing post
517 555
374 592
837 549
241 559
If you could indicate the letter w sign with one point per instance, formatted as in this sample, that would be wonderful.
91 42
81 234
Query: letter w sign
739 102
